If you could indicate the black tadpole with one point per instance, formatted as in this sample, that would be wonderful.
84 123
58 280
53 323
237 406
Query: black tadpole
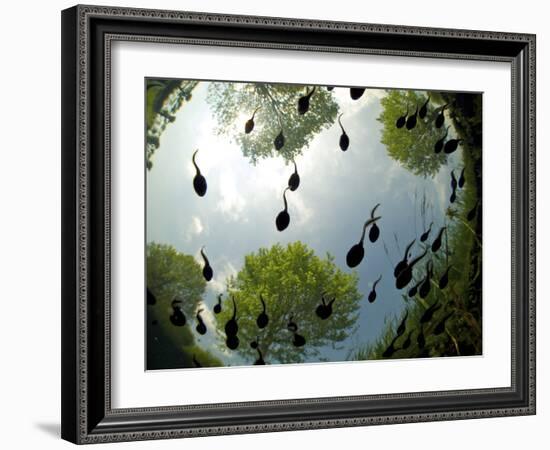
357 252
436 244
201 327
426 233
283 218
372 294
356 93
374 232
344 138
324 310
461 179
249 125
232 328
303 102
444 280
405 276
199 182
425 287
400 122
263 318
451 145
472 213
424 110
279 141
411 121
177 317
294 180
151 299
401 265
439 144
218 306
428 314
207 271
440 119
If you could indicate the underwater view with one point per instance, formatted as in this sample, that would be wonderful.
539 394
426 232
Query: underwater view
294 224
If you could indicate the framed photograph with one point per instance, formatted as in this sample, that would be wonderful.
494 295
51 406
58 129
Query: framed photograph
281 224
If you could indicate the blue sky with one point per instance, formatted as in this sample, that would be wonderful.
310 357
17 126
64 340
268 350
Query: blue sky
336 194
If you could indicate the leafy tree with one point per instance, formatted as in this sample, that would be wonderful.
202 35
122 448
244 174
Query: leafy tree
291 280
234 103
164 99
170 275
413 149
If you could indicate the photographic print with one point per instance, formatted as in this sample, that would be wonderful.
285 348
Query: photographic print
291 223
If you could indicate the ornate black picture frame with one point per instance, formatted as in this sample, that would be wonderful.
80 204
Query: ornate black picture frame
87 35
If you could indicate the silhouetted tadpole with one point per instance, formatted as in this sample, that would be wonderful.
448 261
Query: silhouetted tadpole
403 325
424 110
451 145
283 218
440 327
218 306
279 141
420 339
411 120
439 144
453 180
461 179
425 287
428 314
372 294
357 252
452 198
440 119
177 317
344 138
263 318
405 276
303 102
249 125
151 299
298 340
260 361
294 180
401 265
356 93
199 182
207 271
231 329
388 353
436 244
324 310
444 280
255 343
197 364
407 343
426 233
400 122
374 230
330 88
472 213
201 327
412 291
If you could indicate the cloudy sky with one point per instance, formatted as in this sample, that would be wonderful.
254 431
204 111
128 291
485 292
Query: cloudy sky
336 194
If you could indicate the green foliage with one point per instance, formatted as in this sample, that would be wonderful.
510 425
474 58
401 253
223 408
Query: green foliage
170 275
234 103
413 149
463 251
291 280
164 98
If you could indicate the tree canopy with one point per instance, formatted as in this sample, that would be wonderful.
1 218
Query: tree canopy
291 281
276 109
164 98
170 275
413 149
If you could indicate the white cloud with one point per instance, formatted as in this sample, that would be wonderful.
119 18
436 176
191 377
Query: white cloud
231 202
